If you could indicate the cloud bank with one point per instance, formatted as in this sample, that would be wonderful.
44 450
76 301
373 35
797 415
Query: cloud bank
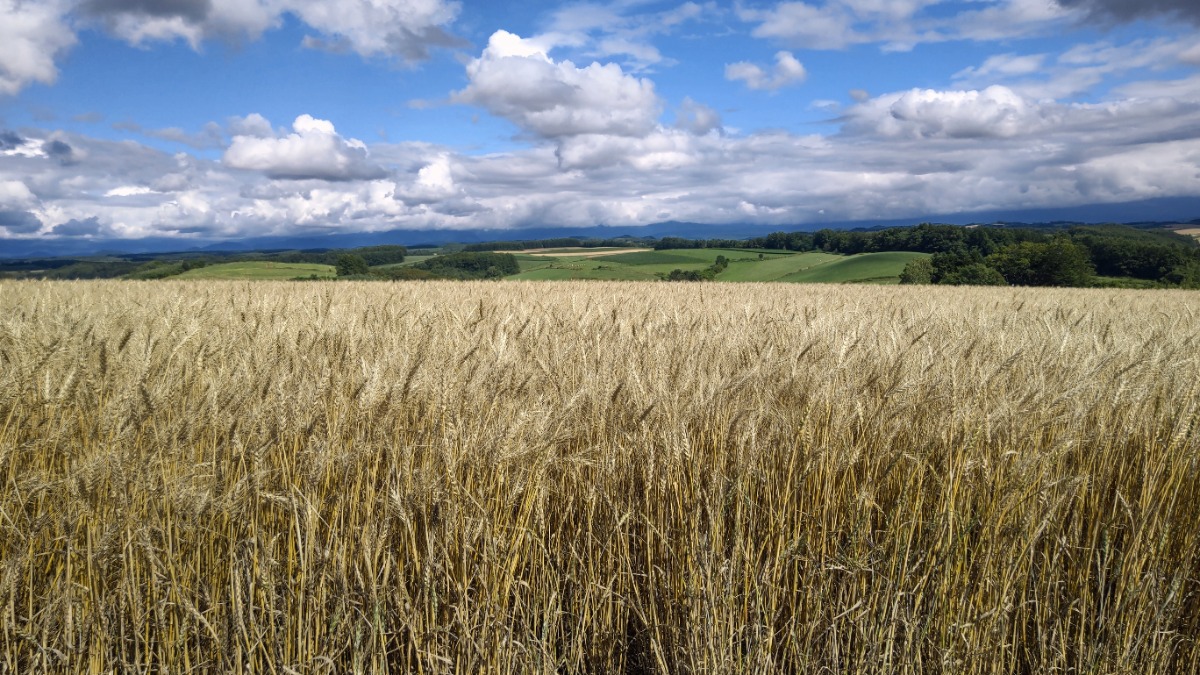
904 154
597 142
1130 10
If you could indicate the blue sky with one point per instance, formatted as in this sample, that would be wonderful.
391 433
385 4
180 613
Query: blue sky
218 119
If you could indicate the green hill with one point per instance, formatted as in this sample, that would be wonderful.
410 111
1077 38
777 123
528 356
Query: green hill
867 267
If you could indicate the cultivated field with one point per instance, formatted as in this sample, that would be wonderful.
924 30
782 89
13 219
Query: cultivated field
579 252
597 477
865 268
259 270
744 265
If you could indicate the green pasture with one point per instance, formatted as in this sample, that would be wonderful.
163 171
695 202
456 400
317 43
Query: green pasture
867 267
774 268
744 265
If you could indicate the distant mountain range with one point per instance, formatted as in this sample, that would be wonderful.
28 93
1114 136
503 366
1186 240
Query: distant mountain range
1148 212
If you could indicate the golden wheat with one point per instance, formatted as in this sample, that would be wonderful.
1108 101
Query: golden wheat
591 477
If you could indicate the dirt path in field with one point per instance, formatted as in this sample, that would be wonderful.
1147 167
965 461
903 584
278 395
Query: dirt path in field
581 254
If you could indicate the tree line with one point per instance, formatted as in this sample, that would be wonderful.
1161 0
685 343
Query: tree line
1025 256
462 265
707 274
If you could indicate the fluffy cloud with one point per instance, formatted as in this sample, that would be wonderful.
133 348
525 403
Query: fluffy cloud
995 112
313 151
665 150
15 194
787 71
905 154
434 183
139 21
697 117
516 79
16 208
32 35
254 125
404 28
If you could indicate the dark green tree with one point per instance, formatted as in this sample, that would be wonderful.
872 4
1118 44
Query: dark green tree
917 271
1058 262
973 274
350 264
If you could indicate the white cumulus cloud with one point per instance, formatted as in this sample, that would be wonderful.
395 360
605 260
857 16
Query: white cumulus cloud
32 35
434 183
15 194
314 150
995 112
516 79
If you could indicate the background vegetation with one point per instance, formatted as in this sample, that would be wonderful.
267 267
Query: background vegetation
646 478
1149 256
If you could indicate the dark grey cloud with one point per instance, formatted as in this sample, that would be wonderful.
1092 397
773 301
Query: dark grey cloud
60 152
10 140
78 228
409 44
1129 10
193 10
19 222
414 45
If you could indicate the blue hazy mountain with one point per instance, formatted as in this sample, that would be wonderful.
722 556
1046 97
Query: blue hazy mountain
1168 210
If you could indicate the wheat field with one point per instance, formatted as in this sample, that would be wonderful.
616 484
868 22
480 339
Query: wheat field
597 477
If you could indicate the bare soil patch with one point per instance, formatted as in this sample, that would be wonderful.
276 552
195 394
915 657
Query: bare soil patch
582 253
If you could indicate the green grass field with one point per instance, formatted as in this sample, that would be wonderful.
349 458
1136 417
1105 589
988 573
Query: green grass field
774 268
744 265
867 267
259 271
